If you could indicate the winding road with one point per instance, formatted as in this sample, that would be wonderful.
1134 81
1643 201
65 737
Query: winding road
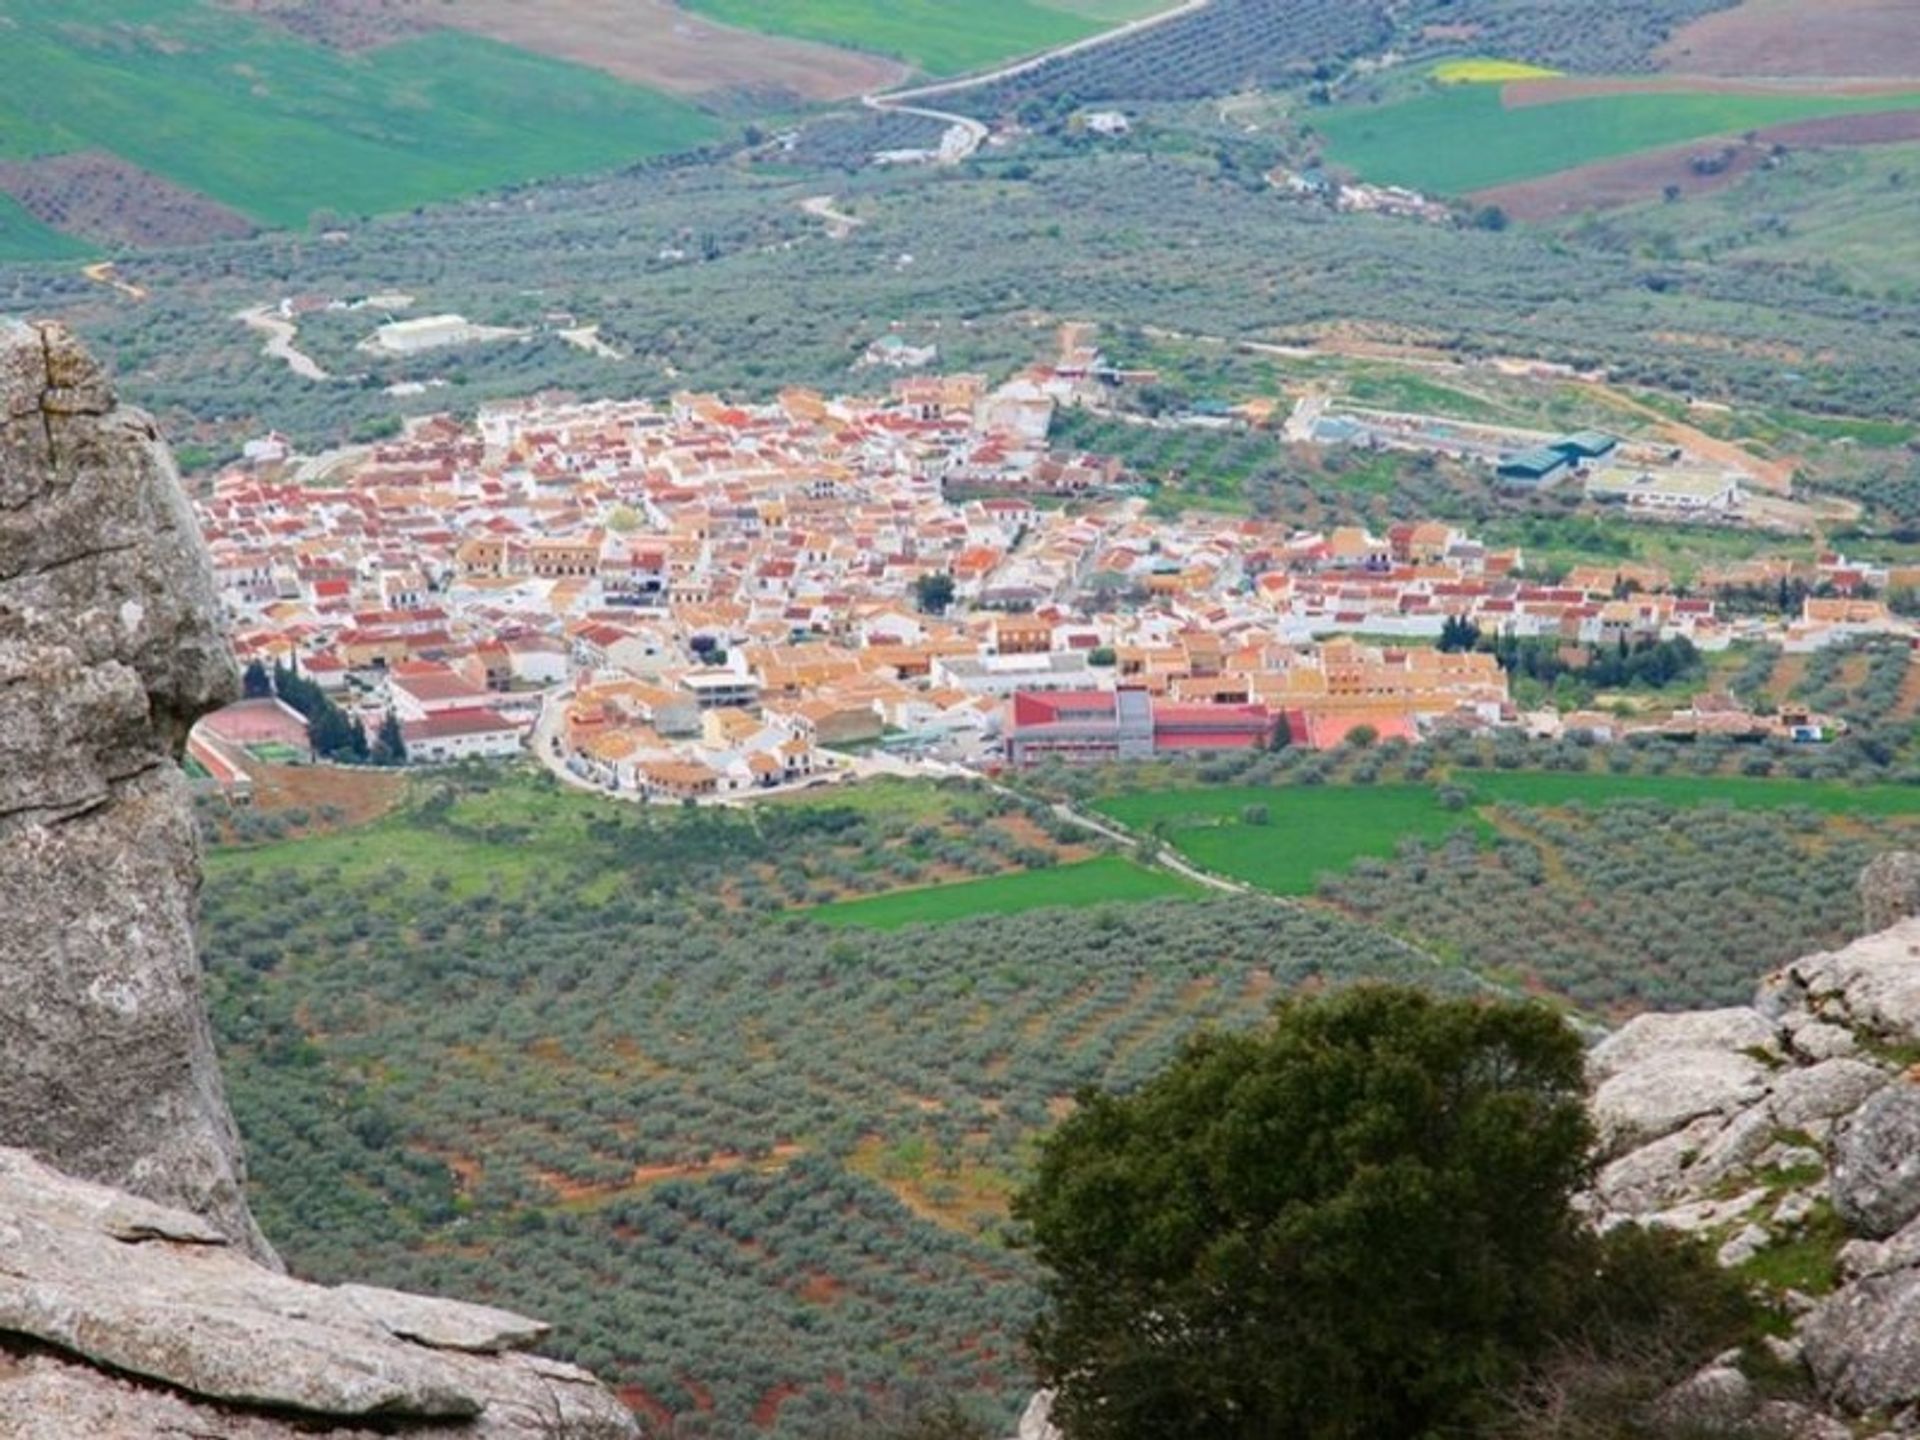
906 102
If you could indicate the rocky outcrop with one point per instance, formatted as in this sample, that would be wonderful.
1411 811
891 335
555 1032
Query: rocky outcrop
139 1299
1792 1126
1890 889
121 1317
1875 1172
110 648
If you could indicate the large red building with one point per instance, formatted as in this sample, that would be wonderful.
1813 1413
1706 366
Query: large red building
1092 726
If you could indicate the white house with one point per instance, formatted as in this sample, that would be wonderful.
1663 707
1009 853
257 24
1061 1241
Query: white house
460 735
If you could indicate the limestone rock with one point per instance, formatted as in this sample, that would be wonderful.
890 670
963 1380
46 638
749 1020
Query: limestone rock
90 1275
1734 1030
1890 889
1871 987
1715 1400
1876 1162
1665 1092
1863 1343
110 648
1803 1098
1036 1421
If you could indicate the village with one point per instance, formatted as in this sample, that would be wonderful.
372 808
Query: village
698 600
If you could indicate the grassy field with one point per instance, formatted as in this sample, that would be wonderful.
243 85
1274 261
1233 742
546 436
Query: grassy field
937 36
1463 137
1310 829
1107 880
24 238
278 129
1541 789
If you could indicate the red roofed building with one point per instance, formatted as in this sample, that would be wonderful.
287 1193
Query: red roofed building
1090 727
460 735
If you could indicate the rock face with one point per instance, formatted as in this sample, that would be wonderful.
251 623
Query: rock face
148 1303
1780 1123
1890 889
190 1326
1876 1163
109 650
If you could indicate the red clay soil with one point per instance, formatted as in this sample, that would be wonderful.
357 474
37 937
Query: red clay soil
1799 37
361 792
105 199
1627 180
1520 94
1888 127
767 1410
637 1399
1631 179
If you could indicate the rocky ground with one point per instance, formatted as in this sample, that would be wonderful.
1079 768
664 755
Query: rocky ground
1787 1133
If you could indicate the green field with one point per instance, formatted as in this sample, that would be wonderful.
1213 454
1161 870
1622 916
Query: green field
940 37
1311 829
1109 879
24 238
1315 830
278 128
1533 788
1462 138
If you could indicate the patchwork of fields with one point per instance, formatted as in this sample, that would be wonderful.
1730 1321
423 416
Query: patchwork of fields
278 128
1464 138
1284 839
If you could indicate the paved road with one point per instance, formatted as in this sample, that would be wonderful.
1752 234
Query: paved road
903 102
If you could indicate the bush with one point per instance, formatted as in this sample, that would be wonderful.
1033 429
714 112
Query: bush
1345 1226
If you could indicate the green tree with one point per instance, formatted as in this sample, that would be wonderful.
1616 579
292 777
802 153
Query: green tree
390 745
934 592
1353 1224
1459 633
255 682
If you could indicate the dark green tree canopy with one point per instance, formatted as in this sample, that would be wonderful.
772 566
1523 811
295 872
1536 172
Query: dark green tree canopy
1353 1224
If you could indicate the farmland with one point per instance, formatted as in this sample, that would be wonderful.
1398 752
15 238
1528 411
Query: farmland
607 1067
1798 37
22 237
1464 138
1839 208
1109 880
935 37
1305 833
754 1168
278 129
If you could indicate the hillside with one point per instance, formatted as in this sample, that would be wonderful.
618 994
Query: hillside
739 1099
